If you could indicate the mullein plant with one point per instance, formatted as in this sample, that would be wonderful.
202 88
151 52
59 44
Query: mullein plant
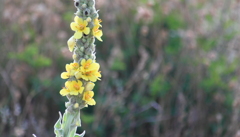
81 74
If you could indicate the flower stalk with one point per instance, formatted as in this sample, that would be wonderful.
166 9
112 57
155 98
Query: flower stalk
83 71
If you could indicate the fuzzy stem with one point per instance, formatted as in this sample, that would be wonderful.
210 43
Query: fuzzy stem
71 121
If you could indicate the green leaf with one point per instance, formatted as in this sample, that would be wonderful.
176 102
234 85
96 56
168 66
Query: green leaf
81 135
57 126
58 123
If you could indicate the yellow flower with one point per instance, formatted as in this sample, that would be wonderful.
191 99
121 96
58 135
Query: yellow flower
91 75
88 94
75 87
79 26
71 69
71 43
88 65
97 33
72 88
88 70
97 22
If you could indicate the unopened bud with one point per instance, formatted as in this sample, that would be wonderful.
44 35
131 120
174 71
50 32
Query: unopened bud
76 105
71 43
74 56
82 49
89 19
84 5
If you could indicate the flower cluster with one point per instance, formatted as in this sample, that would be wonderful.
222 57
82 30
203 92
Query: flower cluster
84 70
87 71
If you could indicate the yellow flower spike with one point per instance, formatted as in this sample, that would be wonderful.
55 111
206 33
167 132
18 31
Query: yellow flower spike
87 96
80 76
79 26
71 43
71 69
97 33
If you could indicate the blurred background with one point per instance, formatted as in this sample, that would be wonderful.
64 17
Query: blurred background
170 68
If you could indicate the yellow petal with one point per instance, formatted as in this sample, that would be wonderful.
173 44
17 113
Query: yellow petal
74 65
85 23
78 20
91 93
97 74
83 62
98 35
99 38
92 78
64 92
92 102
86 30
73 93
97 23
78 75
69 85
79 83
84 77
65 75
81 90
69 67
89 61
73 26
94 66
78 35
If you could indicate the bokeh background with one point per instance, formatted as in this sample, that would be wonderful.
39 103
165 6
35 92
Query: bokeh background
170 68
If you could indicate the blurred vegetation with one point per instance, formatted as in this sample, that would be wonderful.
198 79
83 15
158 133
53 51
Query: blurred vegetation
170 68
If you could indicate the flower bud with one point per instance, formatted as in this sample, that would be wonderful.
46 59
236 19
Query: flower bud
95 15
84 40
91 3
88 51
76 105
84 6
89 19
82 49
71 43
75 57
